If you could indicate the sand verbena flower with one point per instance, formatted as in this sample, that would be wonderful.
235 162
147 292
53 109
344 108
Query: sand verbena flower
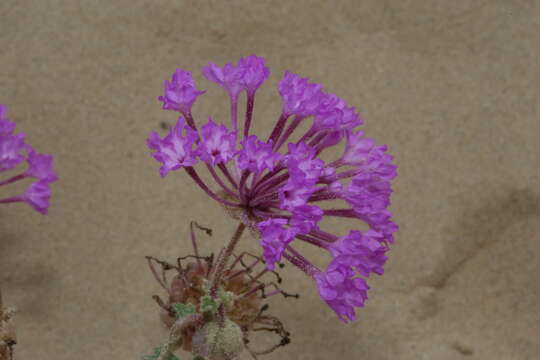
282 189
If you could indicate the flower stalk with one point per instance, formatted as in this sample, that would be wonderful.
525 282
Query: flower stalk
218 273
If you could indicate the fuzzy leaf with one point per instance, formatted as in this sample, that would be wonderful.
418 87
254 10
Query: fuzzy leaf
182 310
208 304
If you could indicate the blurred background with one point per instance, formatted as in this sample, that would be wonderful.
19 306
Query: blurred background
451 86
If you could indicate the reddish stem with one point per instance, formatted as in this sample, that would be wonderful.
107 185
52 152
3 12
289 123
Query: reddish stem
189 120
288 132
228 175
323 235
270 185
299 262
323 197
11 200
218 273
313 241
12 179
210 193
266 178
249 113
219 181
341 212
234 112
280 124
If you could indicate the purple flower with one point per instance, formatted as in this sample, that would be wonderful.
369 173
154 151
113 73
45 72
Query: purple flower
330 280
6 127
368 194
180 93
229 77
295 194
341 291
363 251
176 149
249 74
334 114
13 151
284 195
254 73
369 158
335 187
300 97
302 163
11 147
37 195
217 144
305 218
328 175
40 167
257 156
381 221
274 238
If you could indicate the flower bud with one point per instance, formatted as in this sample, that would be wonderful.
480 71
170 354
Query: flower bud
215 342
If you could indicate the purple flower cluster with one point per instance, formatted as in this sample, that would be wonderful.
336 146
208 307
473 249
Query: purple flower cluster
281 193
13 151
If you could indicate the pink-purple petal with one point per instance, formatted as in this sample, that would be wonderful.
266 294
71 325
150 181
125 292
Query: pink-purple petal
180 93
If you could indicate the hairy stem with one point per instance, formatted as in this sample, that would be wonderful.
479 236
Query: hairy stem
218 273
234 112
189 120
278 129
288 132
249 113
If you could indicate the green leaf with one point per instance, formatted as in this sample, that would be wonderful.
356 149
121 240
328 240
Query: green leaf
182 310
155 355
172 357
208 304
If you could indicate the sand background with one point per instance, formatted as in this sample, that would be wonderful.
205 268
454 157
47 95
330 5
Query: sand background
451 86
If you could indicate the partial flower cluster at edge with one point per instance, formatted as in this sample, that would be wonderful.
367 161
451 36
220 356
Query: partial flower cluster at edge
13 152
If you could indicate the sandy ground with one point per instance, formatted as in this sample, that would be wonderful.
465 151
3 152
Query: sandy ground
451 86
